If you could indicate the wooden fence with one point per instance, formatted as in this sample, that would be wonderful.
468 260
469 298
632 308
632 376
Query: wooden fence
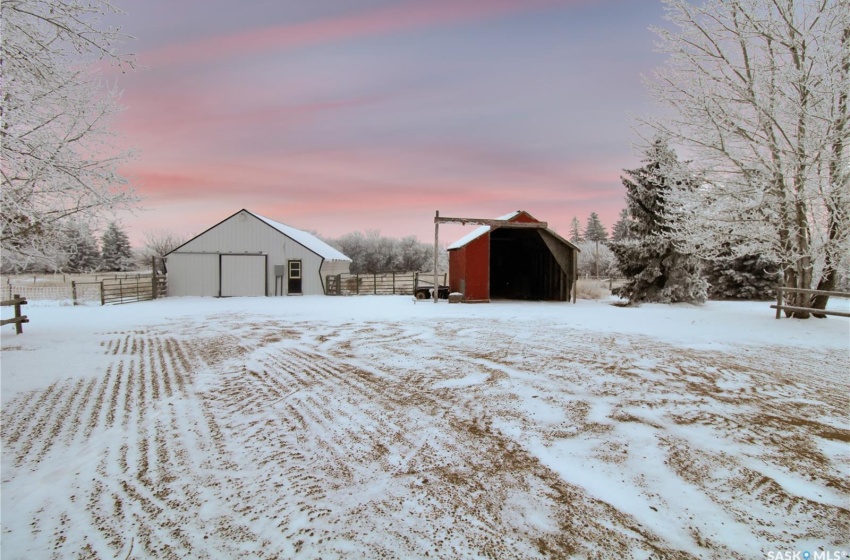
388 283
18 319
780 306
121 290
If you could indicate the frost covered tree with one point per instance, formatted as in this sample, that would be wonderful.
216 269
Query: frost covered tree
79 248
655 270
157 244
595 259
575 231
595 231
414 255
756 93
59 158
620 229
372 253
116 255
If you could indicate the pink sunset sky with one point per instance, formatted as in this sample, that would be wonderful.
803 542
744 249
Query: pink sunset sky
370 115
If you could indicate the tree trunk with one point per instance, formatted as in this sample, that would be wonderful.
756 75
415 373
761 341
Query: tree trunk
830 276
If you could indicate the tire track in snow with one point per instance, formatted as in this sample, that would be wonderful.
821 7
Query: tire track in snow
301 444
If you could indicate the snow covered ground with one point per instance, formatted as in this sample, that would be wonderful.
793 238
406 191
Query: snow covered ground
379 427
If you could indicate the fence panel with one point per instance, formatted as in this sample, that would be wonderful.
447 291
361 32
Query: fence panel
40 293
129 290
388 283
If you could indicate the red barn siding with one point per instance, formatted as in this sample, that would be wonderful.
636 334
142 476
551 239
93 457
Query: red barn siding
524 217
469 268
457 269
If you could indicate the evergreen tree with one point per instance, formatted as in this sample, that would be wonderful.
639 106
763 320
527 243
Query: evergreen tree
655 270
747 277
575 231
595 231
620 229
116 252
80 249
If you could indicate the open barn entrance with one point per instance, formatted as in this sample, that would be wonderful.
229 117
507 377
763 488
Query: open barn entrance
515 256
523 267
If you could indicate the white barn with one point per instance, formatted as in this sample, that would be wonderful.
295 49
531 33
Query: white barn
250 255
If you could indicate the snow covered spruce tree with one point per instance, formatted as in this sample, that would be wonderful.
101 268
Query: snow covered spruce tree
619 231
575 231
59 159
595 231
79 248
756 94
655 270
116 255
746 277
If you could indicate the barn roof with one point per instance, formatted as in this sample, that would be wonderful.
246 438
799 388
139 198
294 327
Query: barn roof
479 231
307 240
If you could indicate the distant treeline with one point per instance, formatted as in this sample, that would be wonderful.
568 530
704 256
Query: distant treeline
372 253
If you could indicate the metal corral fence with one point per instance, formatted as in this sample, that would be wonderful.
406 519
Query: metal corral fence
388 283
110 290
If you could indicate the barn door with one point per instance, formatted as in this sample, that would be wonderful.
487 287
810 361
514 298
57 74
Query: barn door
294 282
243 275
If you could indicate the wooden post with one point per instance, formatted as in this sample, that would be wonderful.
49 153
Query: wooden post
778 301
153 278
19 326
375 284
74 292
436 243
102 298
393 283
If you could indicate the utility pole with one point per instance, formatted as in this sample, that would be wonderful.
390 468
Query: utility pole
596 258
436 243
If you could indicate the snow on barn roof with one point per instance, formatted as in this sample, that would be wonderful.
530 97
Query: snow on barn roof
478 232
309 241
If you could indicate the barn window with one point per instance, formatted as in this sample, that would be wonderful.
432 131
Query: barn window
295 269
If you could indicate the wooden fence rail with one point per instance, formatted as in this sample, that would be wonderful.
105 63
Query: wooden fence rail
18 319
780 305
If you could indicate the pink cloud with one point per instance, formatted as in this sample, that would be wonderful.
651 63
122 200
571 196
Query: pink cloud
410 15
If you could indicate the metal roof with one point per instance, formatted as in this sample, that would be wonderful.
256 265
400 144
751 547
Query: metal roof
307 240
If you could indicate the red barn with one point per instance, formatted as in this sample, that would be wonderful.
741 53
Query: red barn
513 263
